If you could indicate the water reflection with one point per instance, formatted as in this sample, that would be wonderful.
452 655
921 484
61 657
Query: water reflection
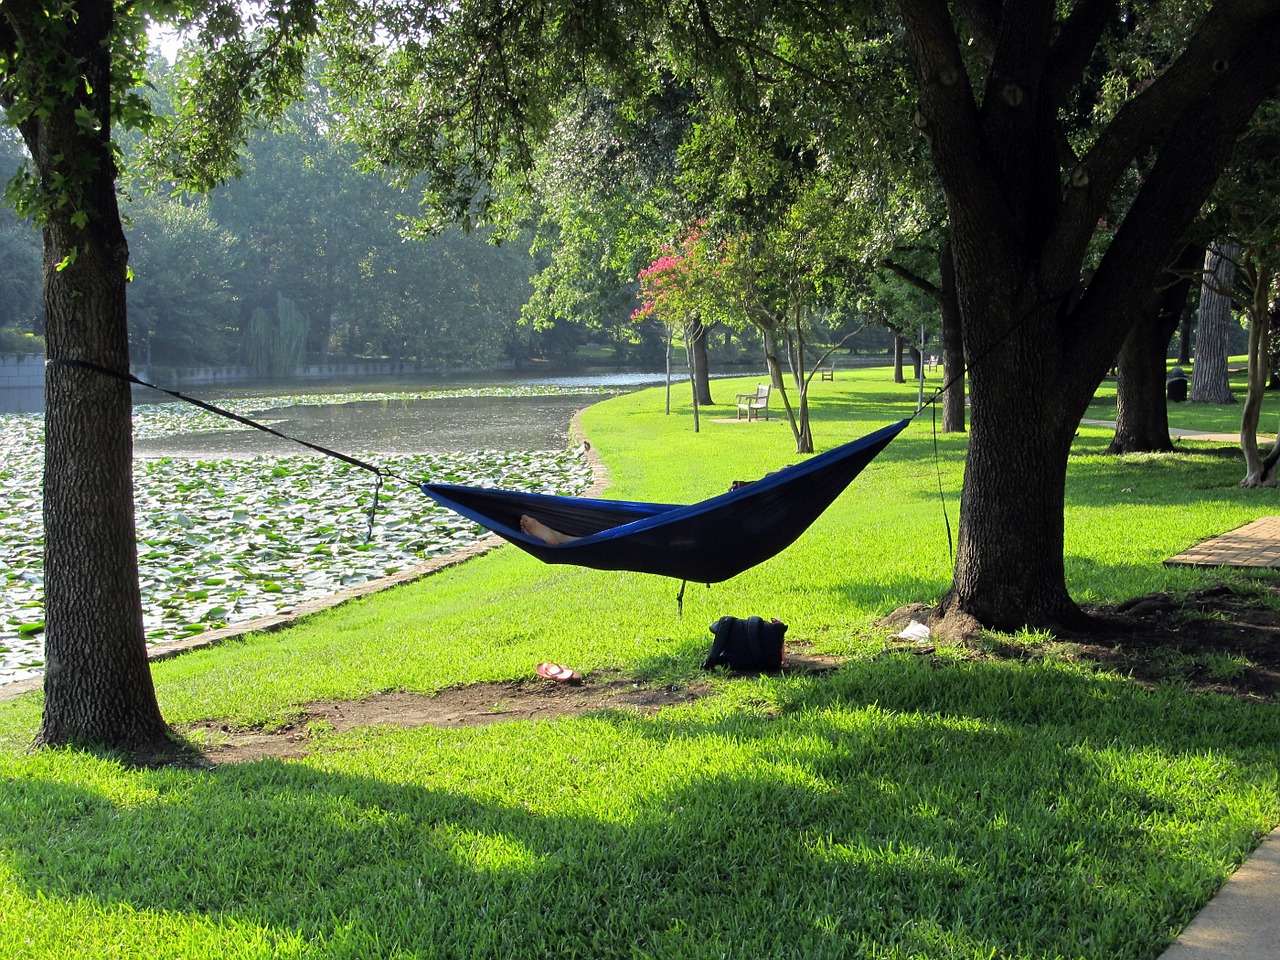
438 425
433 425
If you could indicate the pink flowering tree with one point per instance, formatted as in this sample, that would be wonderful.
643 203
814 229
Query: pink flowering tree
678 289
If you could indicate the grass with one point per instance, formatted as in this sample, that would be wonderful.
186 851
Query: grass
902 807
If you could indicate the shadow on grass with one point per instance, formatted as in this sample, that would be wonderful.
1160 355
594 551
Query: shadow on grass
895 808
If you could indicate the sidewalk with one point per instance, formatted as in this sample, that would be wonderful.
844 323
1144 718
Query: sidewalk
1242 921
1177 433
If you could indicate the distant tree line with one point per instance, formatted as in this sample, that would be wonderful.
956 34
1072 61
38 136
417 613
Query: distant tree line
304 256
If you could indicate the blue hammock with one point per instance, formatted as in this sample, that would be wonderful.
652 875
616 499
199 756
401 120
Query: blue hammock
703 542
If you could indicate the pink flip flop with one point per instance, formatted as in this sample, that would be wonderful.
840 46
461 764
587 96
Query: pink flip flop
553 671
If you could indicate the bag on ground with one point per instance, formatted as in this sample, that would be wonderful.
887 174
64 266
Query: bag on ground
749 645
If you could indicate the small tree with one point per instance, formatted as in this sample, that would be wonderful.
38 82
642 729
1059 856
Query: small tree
1245 209
678 288
783 275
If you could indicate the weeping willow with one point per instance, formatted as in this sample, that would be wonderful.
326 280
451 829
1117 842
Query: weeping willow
275 346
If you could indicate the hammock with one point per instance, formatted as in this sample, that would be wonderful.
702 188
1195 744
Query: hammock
703 542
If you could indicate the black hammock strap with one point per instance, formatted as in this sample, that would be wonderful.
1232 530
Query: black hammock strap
378 472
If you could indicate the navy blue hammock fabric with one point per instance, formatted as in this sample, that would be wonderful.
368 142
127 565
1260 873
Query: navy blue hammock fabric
703 542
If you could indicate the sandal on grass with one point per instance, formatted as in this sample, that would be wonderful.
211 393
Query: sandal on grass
553 671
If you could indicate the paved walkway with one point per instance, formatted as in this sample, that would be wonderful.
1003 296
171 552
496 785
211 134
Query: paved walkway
1255 544
1242 922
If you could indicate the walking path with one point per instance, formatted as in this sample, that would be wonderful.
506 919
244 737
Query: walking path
1256 544
1242 922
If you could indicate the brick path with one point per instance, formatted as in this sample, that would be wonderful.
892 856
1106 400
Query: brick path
1255 544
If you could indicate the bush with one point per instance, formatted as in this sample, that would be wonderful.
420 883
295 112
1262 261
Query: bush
13 340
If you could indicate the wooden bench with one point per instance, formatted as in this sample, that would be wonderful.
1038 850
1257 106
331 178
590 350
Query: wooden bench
828 372
754 403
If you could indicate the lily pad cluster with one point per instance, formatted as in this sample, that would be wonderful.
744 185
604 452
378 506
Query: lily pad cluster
228 540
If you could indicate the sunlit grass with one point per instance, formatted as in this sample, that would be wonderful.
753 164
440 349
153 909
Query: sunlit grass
900 807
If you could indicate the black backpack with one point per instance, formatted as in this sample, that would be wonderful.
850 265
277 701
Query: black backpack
750 645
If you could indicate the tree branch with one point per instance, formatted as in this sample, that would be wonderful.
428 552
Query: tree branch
1071 52
911 277
1225 32
982 17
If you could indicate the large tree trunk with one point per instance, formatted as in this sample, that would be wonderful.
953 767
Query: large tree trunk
97 685
953 379
1009 567
1021 226
1142 413
1209 382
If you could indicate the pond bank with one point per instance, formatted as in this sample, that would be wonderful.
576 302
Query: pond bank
233 542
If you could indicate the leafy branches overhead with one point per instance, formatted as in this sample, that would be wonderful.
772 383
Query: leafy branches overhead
246 62
463 92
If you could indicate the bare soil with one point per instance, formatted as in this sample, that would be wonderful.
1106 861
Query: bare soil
471 705
1213 640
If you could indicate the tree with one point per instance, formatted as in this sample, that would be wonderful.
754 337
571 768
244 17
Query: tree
1142 414
600 209
1023 212
20 308
783 274
1026 163
1246 208
68 78
1209 383
679 289
182 310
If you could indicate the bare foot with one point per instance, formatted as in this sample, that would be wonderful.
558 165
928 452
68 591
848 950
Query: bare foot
544 533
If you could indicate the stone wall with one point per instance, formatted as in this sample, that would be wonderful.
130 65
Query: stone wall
21 371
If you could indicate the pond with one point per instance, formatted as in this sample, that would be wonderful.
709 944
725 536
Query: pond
235 524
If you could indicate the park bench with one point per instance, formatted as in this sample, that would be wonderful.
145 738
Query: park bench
828 372
753 404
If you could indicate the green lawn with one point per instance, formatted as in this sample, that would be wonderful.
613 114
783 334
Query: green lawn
903 806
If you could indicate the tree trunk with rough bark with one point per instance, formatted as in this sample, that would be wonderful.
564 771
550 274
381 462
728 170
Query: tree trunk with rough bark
1209 382
1142 412
1021 225
97 685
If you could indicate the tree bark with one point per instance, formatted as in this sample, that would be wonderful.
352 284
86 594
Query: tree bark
1142 412
1184 340
98 688
1209 382
699 363
772 364
1260 471
953 378
1021 225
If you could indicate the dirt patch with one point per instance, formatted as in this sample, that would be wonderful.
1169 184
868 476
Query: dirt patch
472 705
1213 640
